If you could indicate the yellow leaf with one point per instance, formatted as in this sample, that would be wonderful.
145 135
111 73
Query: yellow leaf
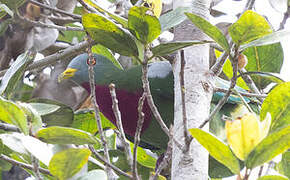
265 126
243 135
156 6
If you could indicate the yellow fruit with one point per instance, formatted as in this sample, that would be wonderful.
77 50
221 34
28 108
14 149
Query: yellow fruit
245 133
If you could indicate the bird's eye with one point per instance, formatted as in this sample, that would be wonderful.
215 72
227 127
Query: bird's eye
93 62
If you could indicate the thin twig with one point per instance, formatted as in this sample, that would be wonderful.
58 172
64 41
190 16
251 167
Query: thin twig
92 62
187 137
35 164
167 156
246 94
76 16
223 100
285 17
118 117
9 127
250 5
150 101
58 56
137 134
101 158
23 165
260 171
88 7
53 26
218 66
250 83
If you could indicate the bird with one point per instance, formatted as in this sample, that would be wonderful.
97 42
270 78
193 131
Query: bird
129 89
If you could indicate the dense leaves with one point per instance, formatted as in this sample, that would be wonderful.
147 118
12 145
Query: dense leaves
66 163
277 104
142 25
109 35
62 135
249 27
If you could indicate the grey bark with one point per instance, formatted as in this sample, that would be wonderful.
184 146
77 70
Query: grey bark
198 93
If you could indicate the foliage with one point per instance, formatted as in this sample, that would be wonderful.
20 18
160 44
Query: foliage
252 138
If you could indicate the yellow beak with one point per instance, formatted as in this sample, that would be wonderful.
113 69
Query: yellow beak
68 73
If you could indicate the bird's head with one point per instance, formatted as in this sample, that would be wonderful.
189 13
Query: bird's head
77 70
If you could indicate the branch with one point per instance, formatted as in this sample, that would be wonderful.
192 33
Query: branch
137 134
150 101
217 89
234 61
9 127
117 114
59 56
87 6
100 157
167 156
218 66
76 16
53 26
23 165
285 17
92 62
187 138
35 164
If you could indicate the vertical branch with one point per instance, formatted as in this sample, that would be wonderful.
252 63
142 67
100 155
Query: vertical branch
137 135
187 138
35 164
167 156
117 114
92 62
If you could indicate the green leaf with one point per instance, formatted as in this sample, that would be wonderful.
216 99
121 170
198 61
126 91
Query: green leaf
217 149
273 145
117 18
272 38
85 120
143 158
15 73
66 163
61 117
250 26
94 174
267 58
13 114
277 104
283 167
101 50
173 18
143 26
44 109
13 142
218 170
34 119
64 135
109 35
273 177
210 30
168 48
38 149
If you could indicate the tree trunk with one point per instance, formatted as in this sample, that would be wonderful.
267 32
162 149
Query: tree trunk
198 94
